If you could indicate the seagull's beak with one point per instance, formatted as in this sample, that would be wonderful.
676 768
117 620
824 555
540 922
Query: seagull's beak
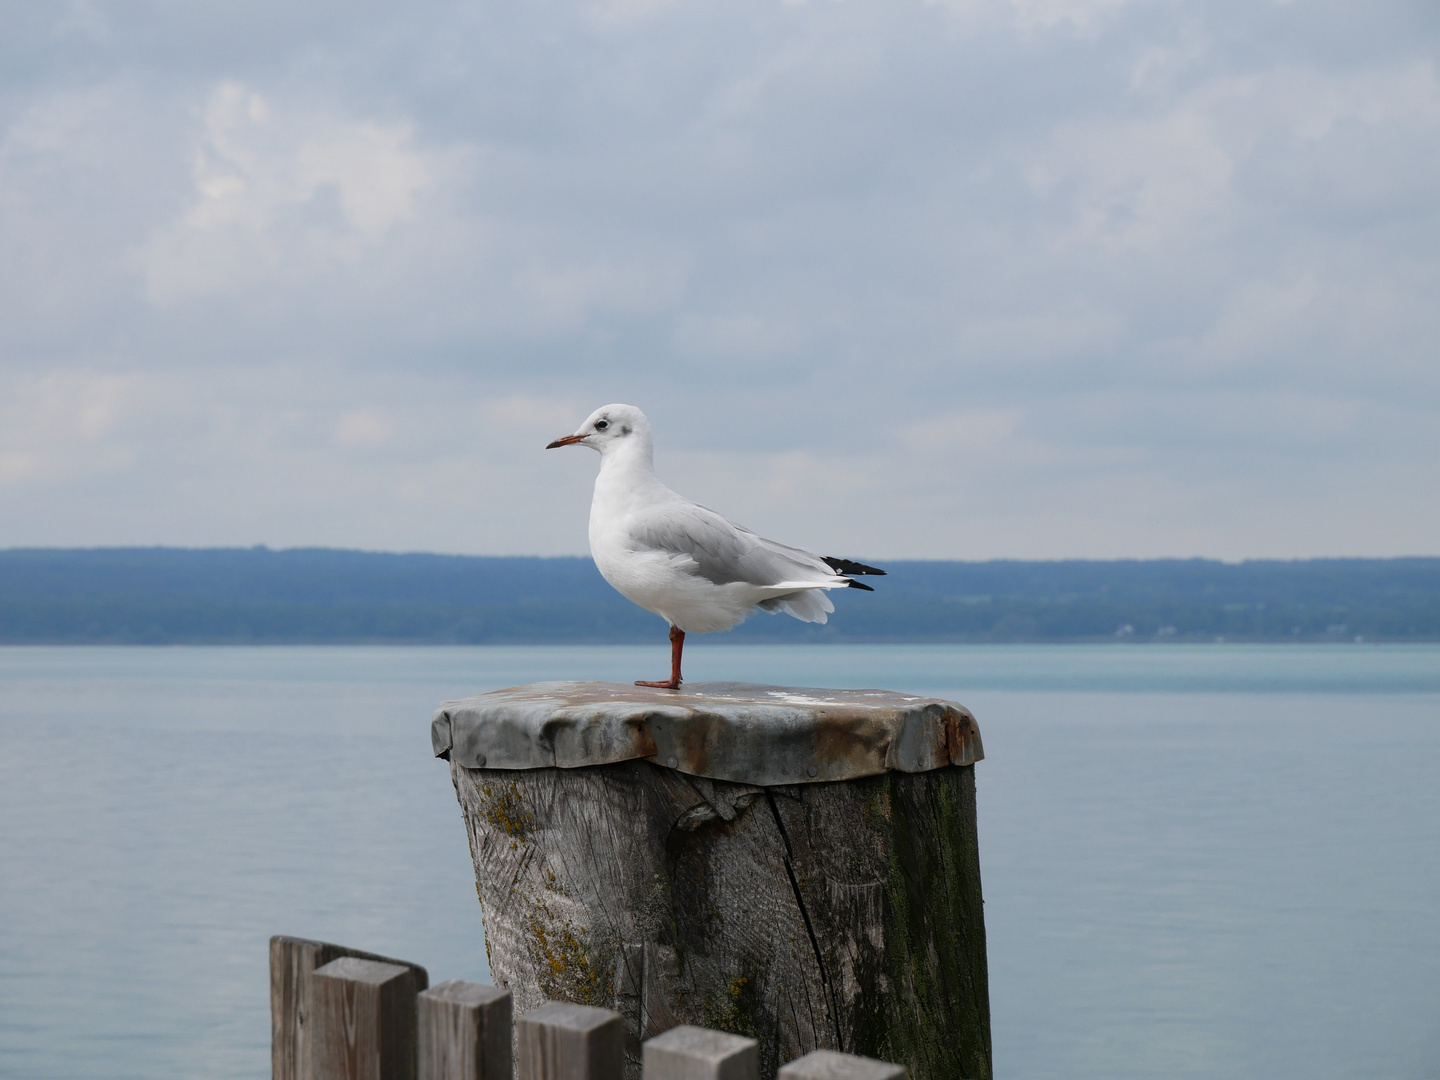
565 441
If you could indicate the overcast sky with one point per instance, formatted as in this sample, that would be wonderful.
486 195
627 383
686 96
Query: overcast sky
969 279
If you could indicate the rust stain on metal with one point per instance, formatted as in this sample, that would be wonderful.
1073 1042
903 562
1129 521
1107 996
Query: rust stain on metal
962 739
753 734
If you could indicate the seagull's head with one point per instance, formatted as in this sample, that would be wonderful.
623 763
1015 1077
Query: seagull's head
609 428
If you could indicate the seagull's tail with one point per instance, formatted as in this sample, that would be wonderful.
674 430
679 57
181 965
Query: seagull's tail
808 605
846 567
781 587
849 566
806 600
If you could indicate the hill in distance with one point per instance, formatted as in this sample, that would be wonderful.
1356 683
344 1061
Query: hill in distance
318 595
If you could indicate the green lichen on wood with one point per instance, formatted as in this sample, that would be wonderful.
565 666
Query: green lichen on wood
567 970
502 808
935 1016
735 1010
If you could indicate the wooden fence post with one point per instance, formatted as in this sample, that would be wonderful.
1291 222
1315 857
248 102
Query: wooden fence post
831 1065
694 1053
363 1013
292 967
560 1041
464 1032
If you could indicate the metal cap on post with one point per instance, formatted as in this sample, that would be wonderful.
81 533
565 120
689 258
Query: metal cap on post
832 1065
364 1021
695 1053
463 1032
764 735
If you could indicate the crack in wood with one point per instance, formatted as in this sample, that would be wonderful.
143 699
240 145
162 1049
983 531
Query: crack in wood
831 1006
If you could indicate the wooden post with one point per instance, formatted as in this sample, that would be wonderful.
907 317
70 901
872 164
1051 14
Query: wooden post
828 1065
364 1017
796 866
561 1041
292 966
692 1053
464 1032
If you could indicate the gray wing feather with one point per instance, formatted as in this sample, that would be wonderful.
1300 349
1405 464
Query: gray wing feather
722 551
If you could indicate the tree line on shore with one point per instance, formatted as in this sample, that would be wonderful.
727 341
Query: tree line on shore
317 595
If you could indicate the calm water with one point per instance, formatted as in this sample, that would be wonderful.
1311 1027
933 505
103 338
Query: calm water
1198 861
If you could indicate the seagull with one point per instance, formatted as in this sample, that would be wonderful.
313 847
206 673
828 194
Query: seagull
682 561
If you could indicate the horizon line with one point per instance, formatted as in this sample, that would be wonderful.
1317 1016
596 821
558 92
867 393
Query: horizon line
21 549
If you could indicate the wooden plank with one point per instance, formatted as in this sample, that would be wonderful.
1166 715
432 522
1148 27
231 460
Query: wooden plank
831 1065
561 1041
292 964
363 1012
463 1031
695 1053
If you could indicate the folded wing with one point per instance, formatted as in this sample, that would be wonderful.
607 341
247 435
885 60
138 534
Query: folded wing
725 553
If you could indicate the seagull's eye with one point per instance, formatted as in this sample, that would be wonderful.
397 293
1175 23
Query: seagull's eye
601 425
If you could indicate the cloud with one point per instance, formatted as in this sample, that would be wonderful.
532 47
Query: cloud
1075 16
363 427
981 277
280 197
528 413
67 424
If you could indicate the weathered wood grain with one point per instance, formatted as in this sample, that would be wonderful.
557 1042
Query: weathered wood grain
903 857
565 1041
292 964
843 916
693 1053
463 1032
363 1012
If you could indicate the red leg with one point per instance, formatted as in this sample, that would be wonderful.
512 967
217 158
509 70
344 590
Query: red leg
677 645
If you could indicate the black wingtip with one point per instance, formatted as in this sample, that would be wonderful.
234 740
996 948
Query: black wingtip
848 566
852 584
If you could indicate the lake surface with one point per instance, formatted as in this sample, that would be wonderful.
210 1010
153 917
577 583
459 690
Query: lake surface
1209 861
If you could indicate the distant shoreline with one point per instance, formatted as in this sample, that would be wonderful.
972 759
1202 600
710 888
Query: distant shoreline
723 640
316 596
